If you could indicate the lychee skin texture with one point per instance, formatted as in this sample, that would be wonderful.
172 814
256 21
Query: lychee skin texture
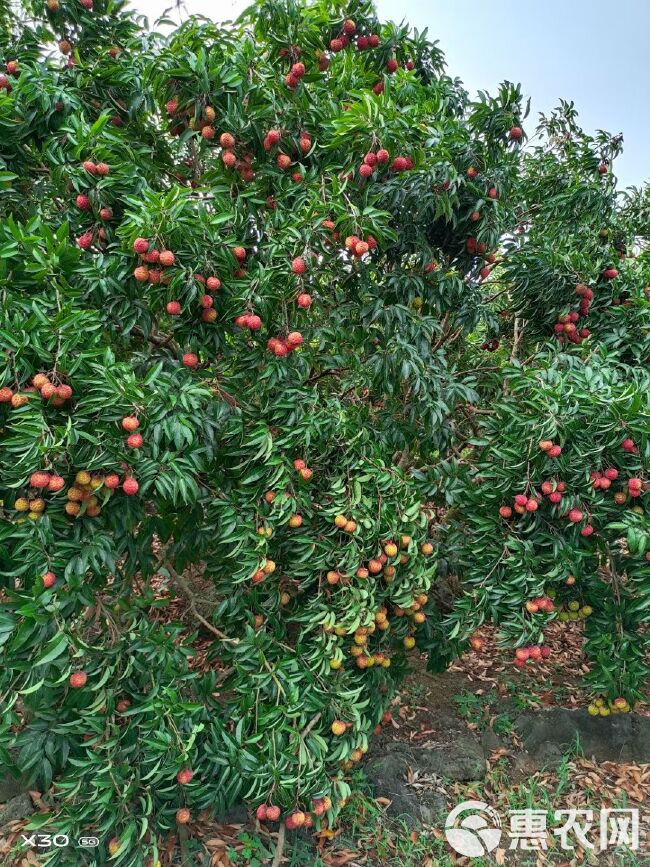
273 814
78 679
167 258
294 339
382 156
130 487
49 579
299 266
112 481
173 308
39 480
185 776
190 359
304 300
130 423
135 441
140 245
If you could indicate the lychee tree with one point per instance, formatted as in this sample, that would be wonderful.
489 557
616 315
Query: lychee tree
554 505
236 263
244 273
547 494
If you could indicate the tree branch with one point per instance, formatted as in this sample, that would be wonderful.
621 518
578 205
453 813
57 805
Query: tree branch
187 590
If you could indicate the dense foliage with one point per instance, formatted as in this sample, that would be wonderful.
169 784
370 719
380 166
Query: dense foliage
280 311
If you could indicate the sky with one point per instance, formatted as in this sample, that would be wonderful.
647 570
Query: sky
593 52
